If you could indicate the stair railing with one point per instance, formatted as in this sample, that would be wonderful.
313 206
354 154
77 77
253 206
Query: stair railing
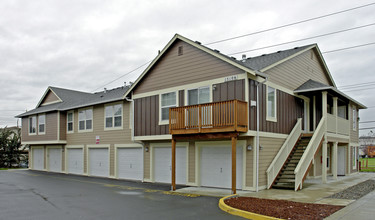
308 155
278 162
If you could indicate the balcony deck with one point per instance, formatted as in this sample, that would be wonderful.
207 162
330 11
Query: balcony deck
216 117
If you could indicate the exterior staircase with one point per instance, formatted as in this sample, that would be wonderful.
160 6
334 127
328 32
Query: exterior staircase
286 177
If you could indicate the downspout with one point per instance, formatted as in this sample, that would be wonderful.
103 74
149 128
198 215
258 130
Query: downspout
257 138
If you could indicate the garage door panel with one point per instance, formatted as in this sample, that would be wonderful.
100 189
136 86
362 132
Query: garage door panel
216 166
130 163
75 161
55 159
38 159
163 165
98 162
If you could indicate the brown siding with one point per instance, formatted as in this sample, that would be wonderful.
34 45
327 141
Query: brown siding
62 125
146 115
296 71
288 109
181 98
106 136
50 97
193 66
229 91
50 127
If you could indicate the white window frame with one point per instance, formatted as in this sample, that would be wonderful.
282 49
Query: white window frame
67 122
113 116
39 132
198 88
354 155
354 116
165 122
28 123
92 120
268 117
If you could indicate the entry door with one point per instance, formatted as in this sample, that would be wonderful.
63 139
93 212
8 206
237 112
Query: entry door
38 159
216 166
163 165
98 162
55 158
341 155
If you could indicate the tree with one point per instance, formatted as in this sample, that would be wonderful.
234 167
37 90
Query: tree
10 143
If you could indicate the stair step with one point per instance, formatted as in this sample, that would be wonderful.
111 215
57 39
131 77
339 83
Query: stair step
284 186
287 172
287 176
285 180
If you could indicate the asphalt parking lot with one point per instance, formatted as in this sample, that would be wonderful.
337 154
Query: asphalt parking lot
26 194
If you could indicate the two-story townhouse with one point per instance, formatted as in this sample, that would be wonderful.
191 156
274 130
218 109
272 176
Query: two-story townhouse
83 133
210 120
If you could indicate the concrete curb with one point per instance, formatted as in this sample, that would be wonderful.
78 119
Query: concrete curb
241 213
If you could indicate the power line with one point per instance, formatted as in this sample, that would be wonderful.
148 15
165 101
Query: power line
347 48
358 84
352 90
366 121
367 128
291 24
303 39
123 75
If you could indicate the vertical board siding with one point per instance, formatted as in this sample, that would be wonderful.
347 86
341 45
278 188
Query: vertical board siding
288 109
50 128
193 66
229 90
298 70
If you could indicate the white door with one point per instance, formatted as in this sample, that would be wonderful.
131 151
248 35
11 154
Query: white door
75 160
130 163
341 161
163 165
216 166
55 158
38 159
98 162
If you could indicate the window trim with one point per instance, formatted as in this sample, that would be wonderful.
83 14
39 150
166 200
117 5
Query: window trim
354 157
92 119
28 123
166 122
271 118
354 117
67 122
113 117
45 118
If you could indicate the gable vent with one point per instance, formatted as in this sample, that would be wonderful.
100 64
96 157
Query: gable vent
180 50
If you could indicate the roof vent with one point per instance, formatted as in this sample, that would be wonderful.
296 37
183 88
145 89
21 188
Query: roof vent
243 57
296 47
105 90
233 58
278 51
217 51
264 55
198 42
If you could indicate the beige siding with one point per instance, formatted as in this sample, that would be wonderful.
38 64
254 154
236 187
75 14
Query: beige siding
146 162
120 136
112 160
85 155
62 125
249 163
191 167
318 163
296 71
63 159
50 97
50 127
354 134
270 148
193 66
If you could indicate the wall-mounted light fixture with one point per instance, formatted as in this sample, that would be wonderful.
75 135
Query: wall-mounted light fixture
249 147
214 87
260 147
146 149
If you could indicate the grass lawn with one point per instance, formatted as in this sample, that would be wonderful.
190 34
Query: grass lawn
4 168
371 164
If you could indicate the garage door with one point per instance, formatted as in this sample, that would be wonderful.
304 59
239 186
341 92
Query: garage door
98 162
75 160
38 159
130 163
163 165
216 167
55 158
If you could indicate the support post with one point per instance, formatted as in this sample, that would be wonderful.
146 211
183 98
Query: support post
324 160
234 143
173 164
335 112
334 161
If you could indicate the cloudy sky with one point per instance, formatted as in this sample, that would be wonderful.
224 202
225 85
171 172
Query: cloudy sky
83 45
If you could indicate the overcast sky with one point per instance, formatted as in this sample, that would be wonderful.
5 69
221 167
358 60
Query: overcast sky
82 45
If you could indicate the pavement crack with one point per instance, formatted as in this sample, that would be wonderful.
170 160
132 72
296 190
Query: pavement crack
44 198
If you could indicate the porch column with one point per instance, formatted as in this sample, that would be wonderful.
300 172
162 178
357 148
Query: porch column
234 143
334 161
173 164
324 146
335 111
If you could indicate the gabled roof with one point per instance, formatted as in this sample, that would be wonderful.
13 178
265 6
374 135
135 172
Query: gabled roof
72 99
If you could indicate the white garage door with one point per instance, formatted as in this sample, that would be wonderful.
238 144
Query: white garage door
130 163
75 160
98 162
55 158
38 159
216 167
163 165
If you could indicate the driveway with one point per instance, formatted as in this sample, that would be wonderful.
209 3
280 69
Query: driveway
26 194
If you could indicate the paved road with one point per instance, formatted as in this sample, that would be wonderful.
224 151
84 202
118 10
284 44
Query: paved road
26 194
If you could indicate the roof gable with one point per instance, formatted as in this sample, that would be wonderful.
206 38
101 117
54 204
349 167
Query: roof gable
49 97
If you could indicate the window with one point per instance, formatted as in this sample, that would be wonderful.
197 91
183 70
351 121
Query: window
70 122
354 118
113 116
167 101
199 96
32 125
41 124
354 157
85 120
271 103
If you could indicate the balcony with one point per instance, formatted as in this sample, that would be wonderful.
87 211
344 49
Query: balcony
226 116
337 125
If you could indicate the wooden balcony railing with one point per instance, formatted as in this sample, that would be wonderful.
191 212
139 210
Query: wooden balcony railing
226 116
